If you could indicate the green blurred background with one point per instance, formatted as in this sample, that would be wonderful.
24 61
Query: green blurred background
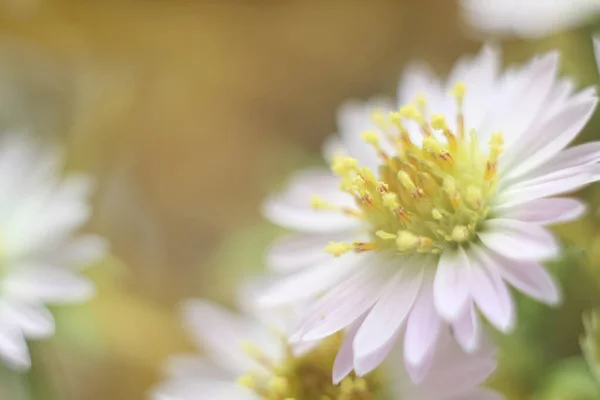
188 113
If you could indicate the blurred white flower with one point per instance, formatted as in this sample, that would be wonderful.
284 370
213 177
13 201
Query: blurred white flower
430 218
249 359
39 253
527 18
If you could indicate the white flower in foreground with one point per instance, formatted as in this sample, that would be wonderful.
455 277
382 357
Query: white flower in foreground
528 18
435 207
39 213
250 360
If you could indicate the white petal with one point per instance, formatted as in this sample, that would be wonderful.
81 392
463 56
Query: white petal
479 75
297 251
47 215
422 327
451 287
202 390
529 277
222 334
390 311
563 182
519 240
467 329
489 291
418 372
345 303
193 367
48 284
576 156
33 319
13 348
344 360
549 137
527 19
354 118
292 208
529 87
363 364
81 251
333 146
309 282
546 211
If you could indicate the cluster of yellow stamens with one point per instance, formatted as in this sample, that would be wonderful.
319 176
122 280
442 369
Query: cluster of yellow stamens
424 198
307 377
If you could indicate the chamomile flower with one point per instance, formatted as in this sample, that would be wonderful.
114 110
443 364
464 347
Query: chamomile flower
435 206
248 358
39 252
528 18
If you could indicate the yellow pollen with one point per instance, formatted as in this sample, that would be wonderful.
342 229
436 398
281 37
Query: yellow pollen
319 204
338 248
431 194
459 90
342 165
370 137
308 377
460 234
385 235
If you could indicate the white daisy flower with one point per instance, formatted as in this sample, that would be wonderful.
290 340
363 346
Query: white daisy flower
39 213
528 18
435 207
248 359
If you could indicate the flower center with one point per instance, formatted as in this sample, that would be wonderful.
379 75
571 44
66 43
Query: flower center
424 197
307 377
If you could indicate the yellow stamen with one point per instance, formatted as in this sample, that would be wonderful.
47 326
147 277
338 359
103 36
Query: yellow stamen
338 248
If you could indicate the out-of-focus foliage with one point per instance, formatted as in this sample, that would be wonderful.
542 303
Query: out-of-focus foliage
189 112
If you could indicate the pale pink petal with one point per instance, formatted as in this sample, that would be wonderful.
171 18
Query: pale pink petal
451 287
529 277
311 281
467 329
345 303
489 291
529 87
546 211
551 136
566 181
418 372
363 364
344 361
391 309
576 156
457 379
519 240
422 327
